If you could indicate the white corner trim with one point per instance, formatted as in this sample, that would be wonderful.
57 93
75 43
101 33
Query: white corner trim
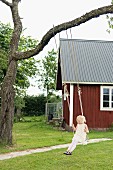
71 106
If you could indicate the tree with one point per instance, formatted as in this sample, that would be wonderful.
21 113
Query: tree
8 93
26 68
48 72
54 98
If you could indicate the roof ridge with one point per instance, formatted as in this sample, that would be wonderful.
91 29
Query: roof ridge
86 40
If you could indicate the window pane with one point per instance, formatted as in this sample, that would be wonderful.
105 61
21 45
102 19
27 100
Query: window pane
105 91
106 97
112 104
112 91
105 104
112 98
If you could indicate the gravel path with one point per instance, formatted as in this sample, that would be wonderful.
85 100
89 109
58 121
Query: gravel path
44 149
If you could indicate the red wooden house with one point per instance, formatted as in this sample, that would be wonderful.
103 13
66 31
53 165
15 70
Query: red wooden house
88 63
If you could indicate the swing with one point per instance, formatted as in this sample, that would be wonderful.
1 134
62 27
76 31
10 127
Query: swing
66 93
78 87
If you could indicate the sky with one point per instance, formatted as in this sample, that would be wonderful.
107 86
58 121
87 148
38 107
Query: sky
40 16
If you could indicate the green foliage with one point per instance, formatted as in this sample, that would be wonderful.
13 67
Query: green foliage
27 43
5 36
52 98
48 72
3 65
110 22
26 68
34 105
19 102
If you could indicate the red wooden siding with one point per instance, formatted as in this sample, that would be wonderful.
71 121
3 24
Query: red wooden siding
91 107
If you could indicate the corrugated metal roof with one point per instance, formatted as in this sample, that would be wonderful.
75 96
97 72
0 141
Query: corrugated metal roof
86 61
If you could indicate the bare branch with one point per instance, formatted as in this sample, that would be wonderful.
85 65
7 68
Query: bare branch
76 22
7 3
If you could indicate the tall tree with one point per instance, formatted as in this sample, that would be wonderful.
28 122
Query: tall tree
47 72
7 101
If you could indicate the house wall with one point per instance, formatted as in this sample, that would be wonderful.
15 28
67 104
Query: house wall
91 107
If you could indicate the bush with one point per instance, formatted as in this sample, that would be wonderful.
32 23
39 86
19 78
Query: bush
34 105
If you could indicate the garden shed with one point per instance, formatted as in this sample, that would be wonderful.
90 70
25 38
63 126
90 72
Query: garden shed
88 63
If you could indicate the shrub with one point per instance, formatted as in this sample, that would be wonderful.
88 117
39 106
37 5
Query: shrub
34 105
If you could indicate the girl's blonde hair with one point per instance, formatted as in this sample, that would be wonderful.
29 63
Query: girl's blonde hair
81 119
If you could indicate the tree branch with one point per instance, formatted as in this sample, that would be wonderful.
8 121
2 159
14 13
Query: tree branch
7 3
53 31
16 31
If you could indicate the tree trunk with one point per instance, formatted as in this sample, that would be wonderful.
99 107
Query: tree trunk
7 104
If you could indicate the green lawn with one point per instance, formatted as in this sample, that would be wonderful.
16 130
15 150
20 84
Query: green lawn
34 134
96 156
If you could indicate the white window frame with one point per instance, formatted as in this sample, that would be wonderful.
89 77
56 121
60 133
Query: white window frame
101 98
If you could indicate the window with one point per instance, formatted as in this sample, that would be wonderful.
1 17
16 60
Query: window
106 100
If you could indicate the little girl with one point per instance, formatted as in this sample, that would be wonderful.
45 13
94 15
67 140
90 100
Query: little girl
80 135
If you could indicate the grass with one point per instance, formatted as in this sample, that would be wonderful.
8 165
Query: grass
36 133
96 156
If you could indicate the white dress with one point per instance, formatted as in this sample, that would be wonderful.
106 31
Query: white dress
80 133
79 136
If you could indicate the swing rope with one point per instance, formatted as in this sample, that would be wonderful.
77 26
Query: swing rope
55 38
72 51
80 100
66 94
78 87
